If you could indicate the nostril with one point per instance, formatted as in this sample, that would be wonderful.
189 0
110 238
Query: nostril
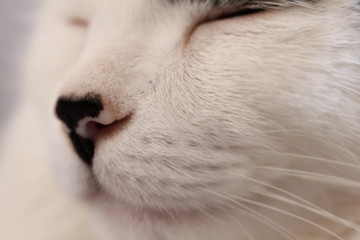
88 127
96 130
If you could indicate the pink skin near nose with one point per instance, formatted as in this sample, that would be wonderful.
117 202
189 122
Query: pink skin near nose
87 130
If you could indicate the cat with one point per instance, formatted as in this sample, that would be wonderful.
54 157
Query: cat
187 119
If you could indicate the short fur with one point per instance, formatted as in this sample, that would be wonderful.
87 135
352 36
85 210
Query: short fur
234 128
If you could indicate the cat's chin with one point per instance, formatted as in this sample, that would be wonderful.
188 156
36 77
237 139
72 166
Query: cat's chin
142 210
157 208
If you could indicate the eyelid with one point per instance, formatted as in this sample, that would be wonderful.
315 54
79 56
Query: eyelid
242 12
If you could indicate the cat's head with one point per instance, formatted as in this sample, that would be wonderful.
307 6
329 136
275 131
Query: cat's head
171 107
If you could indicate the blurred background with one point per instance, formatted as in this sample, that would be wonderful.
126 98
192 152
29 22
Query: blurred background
16 23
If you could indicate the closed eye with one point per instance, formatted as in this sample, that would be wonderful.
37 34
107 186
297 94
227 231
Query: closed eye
235 8
243 12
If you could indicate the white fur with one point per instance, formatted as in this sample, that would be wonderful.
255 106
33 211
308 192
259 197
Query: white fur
240 128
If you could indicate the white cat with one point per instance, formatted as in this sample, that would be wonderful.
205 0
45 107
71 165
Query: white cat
187 119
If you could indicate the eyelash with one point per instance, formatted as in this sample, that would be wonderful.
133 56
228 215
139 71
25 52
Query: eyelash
242 12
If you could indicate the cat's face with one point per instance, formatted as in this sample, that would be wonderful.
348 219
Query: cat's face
192 110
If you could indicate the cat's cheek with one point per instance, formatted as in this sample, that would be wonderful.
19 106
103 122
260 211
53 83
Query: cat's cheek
156 176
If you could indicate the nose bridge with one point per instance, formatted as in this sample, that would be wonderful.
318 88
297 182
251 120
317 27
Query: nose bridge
122 55
128 41
117 76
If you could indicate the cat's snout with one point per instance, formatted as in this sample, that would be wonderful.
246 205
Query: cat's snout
85 118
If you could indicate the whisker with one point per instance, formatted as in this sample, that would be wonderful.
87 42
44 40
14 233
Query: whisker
286 233
320 212
308 175
319 159
277 189
280 229
214 218
291 215
276 210
311 207
244 230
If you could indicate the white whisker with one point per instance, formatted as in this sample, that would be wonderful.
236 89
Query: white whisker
291 215
286 233
309 175
248 235
320 212
231 198
319 159
304 203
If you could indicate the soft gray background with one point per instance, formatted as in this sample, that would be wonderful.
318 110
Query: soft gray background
16 22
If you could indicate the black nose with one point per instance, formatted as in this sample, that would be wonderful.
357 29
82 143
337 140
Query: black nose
71 110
